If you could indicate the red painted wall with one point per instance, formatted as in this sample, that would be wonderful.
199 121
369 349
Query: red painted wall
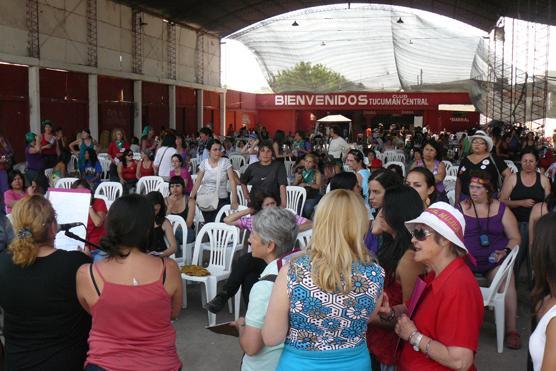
14 107
155 105
64 100
186 110
115 104
241 108
274 120
211 110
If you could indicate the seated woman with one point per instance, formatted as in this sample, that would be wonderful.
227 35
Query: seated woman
422 180
178 203
127 171
444 330
45 328
491 232
401 203
16 183
145 166
309 177
322 299
544 207
162 228
273 237
179 169
431 160
131 295
90 168
95 220
247 269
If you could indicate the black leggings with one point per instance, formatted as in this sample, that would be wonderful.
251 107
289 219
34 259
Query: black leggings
245 273
210 216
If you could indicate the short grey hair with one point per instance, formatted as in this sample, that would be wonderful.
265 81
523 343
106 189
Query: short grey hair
277 225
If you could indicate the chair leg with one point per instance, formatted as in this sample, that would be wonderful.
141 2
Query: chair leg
210 289
499 319
237 303
184 294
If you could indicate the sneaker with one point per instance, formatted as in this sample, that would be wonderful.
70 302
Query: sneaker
218 303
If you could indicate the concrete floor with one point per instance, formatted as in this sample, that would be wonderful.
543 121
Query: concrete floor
200 349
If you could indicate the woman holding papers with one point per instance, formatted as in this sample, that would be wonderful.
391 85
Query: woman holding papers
442 330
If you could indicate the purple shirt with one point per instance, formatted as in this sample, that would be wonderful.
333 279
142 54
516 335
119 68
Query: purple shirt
184 173
246 222
34 160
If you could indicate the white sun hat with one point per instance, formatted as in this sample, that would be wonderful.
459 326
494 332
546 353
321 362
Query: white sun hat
445 220
479 134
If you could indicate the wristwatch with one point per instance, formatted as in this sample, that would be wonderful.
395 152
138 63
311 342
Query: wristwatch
416 340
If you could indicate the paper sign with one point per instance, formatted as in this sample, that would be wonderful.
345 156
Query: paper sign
71 205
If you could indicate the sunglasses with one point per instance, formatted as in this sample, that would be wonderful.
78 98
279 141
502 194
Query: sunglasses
421 234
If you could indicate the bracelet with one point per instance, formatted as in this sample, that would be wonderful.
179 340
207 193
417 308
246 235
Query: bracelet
427 348
412 334
417 341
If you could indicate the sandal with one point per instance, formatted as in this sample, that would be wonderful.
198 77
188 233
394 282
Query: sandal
513 340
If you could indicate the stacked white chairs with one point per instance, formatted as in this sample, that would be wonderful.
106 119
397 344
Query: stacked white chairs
394 156
164 189
103 155
303 238
399 163
495 295
148 184
221 237
295 198
111 190
195 161
65 182
450 182
452 171
187 249
512 166
237 161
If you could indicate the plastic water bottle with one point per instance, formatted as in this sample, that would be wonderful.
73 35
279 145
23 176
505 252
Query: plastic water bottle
492 258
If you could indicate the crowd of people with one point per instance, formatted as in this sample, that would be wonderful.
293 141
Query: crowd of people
387 281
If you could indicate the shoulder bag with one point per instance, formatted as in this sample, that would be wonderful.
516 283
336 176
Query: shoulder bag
209 201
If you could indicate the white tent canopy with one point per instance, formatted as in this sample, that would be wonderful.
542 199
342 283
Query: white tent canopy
334 118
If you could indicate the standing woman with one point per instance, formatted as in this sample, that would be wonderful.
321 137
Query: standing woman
211 169
163 157
148 140
479 159
131 295
520 193
542 342
181 148
33 157
432 157
45 327
443 332
82 145
322 300
279 145
355 162
127 171
310 178
396 256
48 144
422 180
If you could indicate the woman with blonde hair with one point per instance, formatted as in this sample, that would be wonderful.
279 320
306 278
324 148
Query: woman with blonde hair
45 327
322 301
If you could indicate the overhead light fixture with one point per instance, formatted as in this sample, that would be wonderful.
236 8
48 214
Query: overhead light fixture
295 24
323 44
400 20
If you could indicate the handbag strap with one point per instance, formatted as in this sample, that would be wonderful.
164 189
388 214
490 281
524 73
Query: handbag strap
217 185
500 180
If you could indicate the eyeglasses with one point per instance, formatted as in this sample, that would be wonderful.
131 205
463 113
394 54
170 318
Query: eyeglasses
175 185
421 234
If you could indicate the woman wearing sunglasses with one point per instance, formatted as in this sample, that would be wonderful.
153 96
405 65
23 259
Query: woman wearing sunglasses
401 203
490 234
443 331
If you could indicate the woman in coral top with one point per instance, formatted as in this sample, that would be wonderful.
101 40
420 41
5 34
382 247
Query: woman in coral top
145 166
131 296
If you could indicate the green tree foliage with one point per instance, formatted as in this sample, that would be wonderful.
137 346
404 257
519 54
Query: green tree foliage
311 78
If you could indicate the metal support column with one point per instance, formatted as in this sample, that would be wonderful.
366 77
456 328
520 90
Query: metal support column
34 100
32 13
200 108
92 57
171 50
137 108
137 34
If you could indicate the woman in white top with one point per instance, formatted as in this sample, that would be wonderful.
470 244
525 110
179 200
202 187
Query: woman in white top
163 159
542 343
210 169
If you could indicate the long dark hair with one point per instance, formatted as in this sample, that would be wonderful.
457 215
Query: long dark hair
401 204
257 203
544 260
156 198
429 179
387 178
129 222
124 157
92 156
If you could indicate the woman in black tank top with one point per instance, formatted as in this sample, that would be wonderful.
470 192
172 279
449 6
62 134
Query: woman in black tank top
178 203
162 227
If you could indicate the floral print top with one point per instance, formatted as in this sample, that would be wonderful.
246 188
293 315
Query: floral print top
321 320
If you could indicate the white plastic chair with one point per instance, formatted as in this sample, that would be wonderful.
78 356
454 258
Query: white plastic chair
73 165
148 184
111 190
295 198
48 172
187 249
400 164
195 161
512 166
381 156
452 171
493 297
448 164
242 200
221 237
449 182
105 164
237 161
137 156
328 188
289 168
164 189
451 197
65 182
304 238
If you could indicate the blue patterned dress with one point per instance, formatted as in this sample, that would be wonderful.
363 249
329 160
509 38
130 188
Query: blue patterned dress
327 329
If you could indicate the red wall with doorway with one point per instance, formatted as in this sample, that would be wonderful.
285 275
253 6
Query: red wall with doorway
14 107
211 110
155 106
186 110
64 100
115 104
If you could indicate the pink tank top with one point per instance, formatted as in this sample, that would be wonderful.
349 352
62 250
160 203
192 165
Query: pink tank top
131 328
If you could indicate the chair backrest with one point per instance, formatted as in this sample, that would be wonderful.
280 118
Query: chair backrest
289 167
242 200
72 165
148 184
105 164
164 189
452 171
65 182
48 172
450 182
195 161
304 238
243 168
222 240
399 163
447 163
111 190
328 188
511 165
227 210
381 156
178 222
137 156
295 198
451 197
503 276
21 166
237 161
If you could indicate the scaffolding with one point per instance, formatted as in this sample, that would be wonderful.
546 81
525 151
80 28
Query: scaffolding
32 13
171 50
200 58
137 30
92 57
